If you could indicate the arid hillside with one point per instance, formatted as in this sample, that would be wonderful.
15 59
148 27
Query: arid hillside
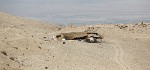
28 45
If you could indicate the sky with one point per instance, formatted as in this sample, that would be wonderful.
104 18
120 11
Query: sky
79 11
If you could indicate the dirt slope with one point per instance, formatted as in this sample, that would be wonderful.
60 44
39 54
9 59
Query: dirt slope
28 45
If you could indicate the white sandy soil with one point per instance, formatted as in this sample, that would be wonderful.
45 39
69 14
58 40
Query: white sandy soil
28 45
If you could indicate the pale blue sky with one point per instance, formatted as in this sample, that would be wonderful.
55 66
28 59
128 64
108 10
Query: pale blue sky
80 11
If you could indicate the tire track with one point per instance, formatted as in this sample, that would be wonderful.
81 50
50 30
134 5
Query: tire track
119 57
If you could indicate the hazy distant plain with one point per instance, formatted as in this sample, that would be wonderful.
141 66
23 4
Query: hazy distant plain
80 11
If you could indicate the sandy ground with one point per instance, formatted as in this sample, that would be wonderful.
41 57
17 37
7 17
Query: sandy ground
28 45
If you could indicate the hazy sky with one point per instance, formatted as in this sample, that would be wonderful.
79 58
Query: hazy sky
80 11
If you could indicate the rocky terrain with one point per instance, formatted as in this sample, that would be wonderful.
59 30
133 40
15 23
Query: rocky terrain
28 45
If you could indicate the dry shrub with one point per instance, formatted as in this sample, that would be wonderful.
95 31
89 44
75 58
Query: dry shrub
122 26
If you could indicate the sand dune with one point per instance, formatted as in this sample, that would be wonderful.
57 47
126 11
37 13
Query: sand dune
28 45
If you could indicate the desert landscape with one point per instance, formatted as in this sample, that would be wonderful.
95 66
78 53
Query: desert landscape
28 45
